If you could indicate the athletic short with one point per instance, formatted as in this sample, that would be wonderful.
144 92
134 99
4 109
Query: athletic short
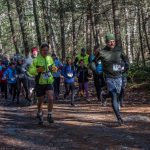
114 84
41 89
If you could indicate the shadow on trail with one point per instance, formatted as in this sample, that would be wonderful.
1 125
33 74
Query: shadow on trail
19 130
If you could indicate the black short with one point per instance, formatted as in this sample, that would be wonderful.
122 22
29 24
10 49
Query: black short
41 89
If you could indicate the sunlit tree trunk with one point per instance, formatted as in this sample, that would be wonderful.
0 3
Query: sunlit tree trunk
116 13
62 28
73 27
12 26
47 28
20 12
36 18
88 27
144 29
140 35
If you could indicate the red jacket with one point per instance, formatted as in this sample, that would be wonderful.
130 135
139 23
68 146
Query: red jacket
1 76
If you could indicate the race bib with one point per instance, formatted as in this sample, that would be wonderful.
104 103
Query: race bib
70 75
99 62
13 79
46 75
116 67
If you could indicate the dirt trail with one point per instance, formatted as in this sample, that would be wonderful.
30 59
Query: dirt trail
86 126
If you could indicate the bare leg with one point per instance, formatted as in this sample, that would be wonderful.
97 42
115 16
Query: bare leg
40 103
50 97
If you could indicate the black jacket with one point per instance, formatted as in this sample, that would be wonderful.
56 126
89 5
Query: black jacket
83 75
112 61
19 69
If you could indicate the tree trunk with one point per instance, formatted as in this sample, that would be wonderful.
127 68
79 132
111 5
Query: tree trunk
108 23
126 13
140 36
54 39
1 47
81 24
88 28
12 26
36 22
132 45
94 21
73 28
128 31
44 9
144 29
62 26
22 25
115 8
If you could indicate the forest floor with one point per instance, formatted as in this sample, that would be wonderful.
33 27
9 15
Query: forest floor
87 126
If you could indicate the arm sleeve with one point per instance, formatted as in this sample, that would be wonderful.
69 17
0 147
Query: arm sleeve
52 62
125 60
74 73
75 62
27 63
60 64
32 68
93 65
63 72
5 74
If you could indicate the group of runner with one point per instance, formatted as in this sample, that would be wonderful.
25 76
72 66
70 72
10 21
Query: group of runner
43 72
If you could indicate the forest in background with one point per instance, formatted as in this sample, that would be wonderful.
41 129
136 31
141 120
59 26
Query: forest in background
69 25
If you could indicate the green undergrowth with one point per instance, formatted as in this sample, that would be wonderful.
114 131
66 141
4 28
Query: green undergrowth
143 86
138 74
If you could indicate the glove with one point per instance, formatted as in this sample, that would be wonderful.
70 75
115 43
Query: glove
40 69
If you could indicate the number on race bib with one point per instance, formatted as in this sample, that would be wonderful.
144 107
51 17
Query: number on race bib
46 75
70 75
116 67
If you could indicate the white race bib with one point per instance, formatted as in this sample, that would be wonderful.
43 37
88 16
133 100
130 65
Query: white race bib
13 79
99 62
116 67
70 75
46 75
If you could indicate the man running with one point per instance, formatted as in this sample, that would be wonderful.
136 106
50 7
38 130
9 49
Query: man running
42 67
112 57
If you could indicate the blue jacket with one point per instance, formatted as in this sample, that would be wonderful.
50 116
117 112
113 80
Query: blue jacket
99 68
58 64
91 58
10 74
69 73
